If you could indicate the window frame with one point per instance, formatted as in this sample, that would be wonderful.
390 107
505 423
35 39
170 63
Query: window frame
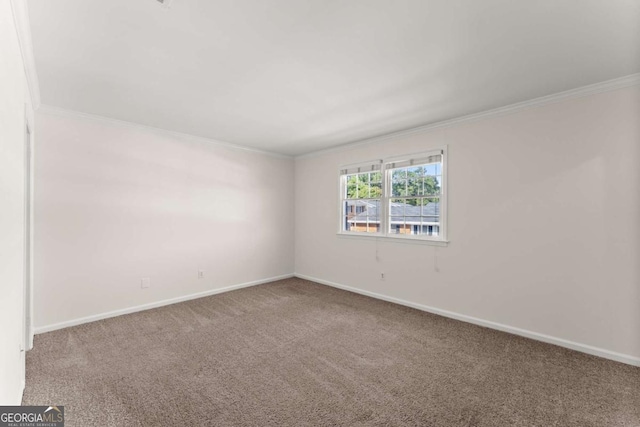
385 201
342 193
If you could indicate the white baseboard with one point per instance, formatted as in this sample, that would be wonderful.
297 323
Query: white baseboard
93 318
584 348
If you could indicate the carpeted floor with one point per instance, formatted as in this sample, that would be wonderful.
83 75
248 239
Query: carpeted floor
297 353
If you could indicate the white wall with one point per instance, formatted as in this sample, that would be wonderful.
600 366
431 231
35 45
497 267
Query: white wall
115 203
12 217
544 215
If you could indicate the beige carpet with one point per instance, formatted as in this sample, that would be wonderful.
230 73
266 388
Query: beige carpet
296 353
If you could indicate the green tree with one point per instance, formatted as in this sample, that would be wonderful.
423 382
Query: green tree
406 182
365 186
414 182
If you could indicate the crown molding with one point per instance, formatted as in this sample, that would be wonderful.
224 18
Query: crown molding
606 86
21 18
63 112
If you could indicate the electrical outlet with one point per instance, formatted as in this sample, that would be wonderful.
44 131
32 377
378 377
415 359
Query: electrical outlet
200 274
145 282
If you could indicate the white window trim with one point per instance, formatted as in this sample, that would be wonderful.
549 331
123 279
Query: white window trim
440 240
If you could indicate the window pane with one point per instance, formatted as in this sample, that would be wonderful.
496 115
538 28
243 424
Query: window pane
399 182
402 213
423 180
351 187
375 190
414 186
399 188
415 172
363 185
431 185
412 212
362 216
373 224
399 174
373 216
366 185
431 211
396 207
430 169
396 215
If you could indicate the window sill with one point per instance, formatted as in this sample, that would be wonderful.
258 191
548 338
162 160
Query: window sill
394 239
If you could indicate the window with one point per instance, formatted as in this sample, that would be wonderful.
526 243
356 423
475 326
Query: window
414 193
361 195
405 199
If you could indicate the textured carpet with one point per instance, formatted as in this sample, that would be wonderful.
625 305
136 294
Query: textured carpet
297 353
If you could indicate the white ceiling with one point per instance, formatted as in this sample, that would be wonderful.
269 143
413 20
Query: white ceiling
294 76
